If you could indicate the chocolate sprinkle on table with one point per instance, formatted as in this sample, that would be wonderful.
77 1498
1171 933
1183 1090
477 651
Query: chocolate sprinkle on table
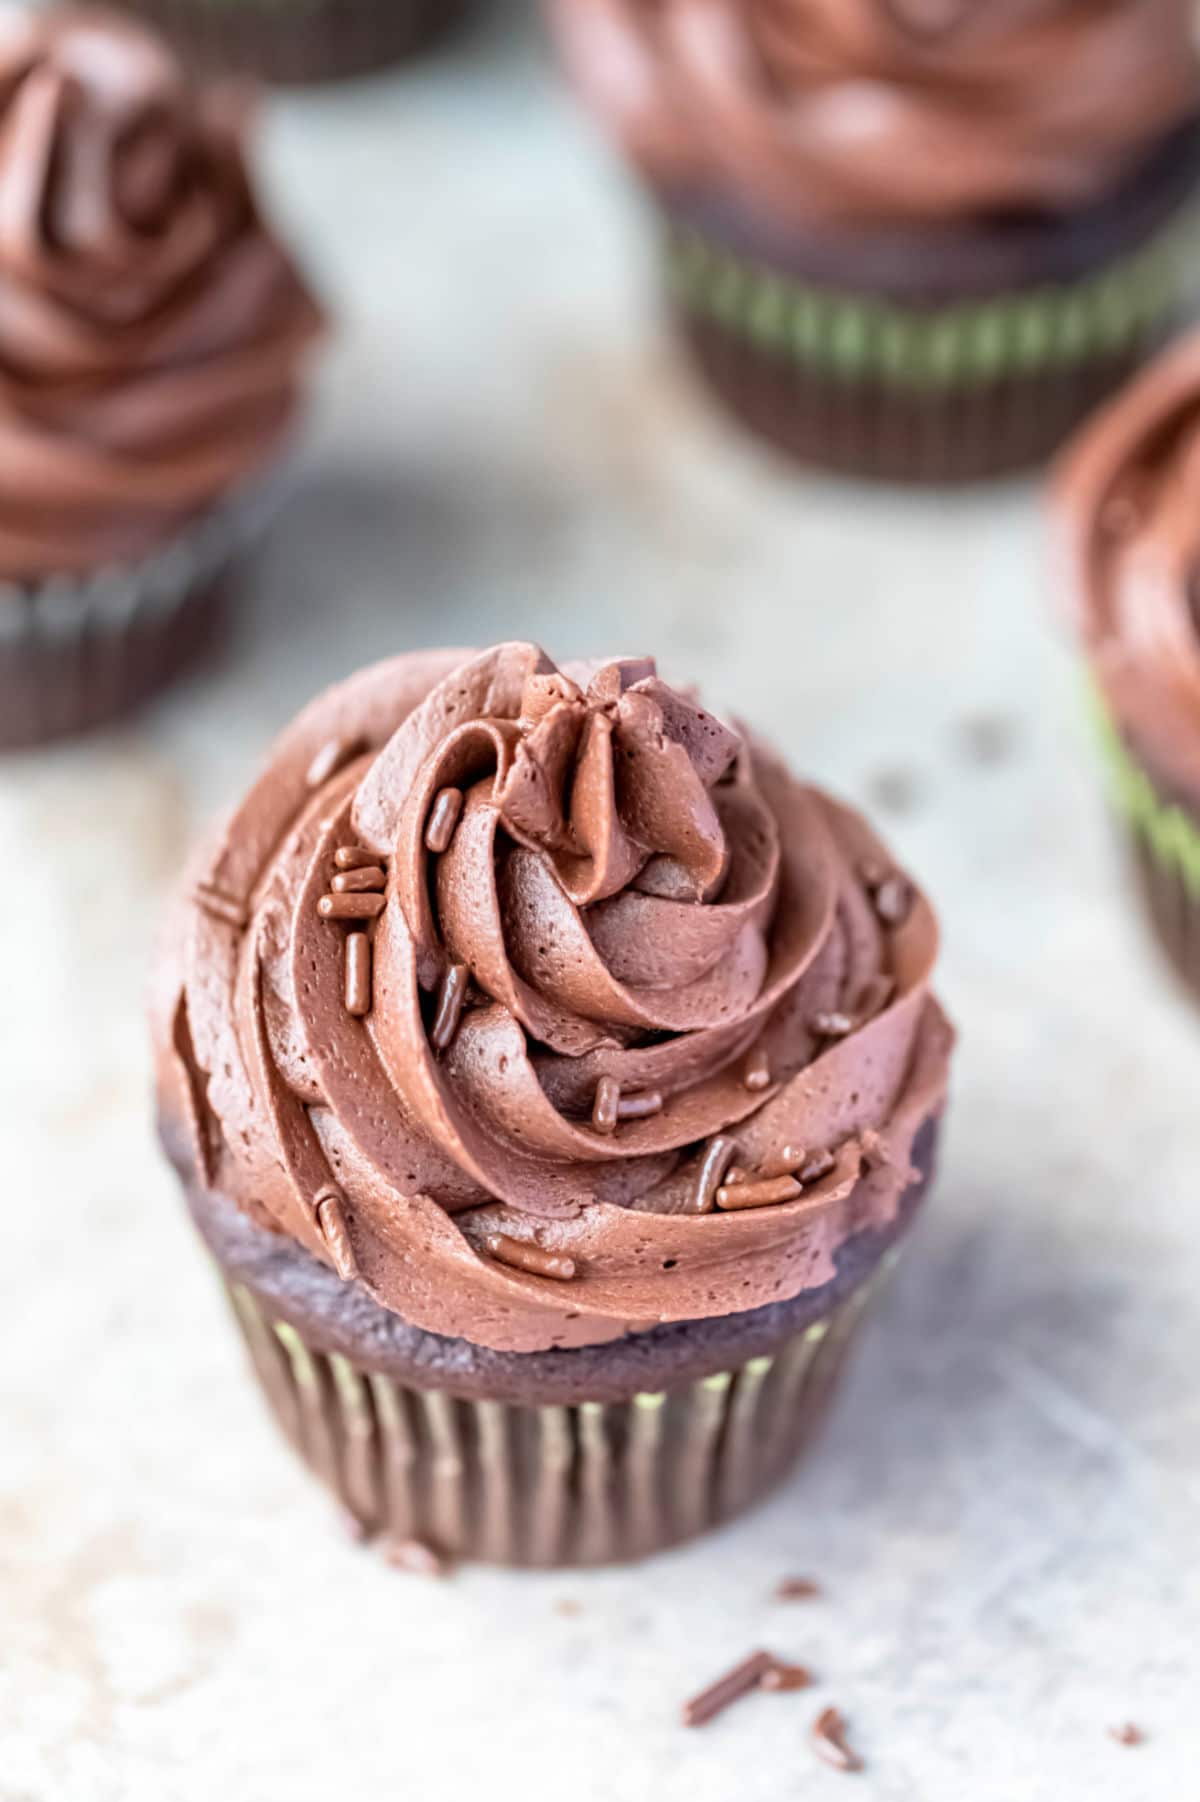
783 1677
443 818
1128 1735
415 1556
797 1589
735 1683
828 1738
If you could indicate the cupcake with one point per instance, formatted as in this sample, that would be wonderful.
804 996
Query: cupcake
552 1078
293 42
1128 496
911 239
152 339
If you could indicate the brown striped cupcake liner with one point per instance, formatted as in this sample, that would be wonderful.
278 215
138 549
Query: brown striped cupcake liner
549 1486
79 651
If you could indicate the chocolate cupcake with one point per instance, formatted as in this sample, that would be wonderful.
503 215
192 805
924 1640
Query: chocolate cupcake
152 339
295 42
1129 504
552 1077
911 239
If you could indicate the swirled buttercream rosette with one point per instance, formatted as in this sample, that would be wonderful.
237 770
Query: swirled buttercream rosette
152 342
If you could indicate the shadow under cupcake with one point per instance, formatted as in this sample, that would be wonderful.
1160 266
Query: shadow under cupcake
153 337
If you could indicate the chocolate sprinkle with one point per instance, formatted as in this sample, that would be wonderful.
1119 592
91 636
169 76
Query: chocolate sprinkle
450 1006
1128 1735
786 1160
713 1166
782 1677
415 1556
818 1165
606 1105
329 759
443 818
756 1071
757 1195
355 857
221 906
735 1683
331 1219
350 907
639 1107
358 974
354 882
520 1255
829 1742
832 1025
893 900
797 1589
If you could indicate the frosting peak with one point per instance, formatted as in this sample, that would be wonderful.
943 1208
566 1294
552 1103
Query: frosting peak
501 962
836 111
151 331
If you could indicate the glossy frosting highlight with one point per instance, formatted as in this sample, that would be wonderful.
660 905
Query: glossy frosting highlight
1128 507
634 902
152 331
840 111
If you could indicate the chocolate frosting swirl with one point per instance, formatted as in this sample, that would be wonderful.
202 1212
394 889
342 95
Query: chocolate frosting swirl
838 111
640 896
151 330
1128 500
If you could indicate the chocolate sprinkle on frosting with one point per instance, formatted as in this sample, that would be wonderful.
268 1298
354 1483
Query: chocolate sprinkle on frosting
443 818
520 1255
713 1166
451 1000
350 907
757 1195
353 882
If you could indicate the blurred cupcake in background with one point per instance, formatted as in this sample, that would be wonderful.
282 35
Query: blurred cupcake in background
913 239
294 42
553 1077
153 336
1128 499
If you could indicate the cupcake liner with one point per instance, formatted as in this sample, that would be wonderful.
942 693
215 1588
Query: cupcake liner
1163 837
930 391
300 41
77 651
518 1484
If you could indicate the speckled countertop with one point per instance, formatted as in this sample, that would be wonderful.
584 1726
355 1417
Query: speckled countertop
1003 1512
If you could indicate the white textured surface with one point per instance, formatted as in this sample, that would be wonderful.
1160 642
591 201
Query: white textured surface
1003 1512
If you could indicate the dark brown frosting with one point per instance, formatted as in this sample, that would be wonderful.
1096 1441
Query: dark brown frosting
837 111
151 330
639 894
1128 495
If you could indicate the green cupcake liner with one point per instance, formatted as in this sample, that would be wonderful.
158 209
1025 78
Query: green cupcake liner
548 1486
859 338
1164 844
